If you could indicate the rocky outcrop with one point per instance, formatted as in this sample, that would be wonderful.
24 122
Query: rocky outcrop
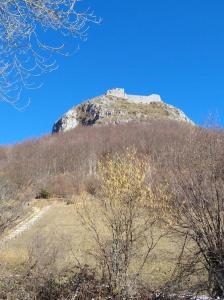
115 107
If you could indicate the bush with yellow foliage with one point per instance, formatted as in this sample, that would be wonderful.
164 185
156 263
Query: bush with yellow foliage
123 220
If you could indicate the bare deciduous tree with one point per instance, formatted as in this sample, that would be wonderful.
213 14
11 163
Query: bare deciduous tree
196 204
10 211
124 223
23 53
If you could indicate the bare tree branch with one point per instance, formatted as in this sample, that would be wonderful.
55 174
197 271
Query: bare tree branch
23 54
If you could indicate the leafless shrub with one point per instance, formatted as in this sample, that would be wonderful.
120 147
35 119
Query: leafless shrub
196 201
10 211
60 186
44 253
92 185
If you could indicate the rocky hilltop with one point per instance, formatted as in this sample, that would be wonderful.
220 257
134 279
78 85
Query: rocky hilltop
115 107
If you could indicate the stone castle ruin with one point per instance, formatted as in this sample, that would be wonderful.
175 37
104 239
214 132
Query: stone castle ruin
120 93
116 107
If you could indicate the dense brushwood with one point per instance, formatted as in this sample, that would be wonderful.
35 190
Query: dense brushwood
69 158
64 162
186 164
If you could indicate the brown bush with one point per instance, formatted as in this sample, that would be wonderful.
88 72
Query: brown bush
195 188
92 185
61 185
75 154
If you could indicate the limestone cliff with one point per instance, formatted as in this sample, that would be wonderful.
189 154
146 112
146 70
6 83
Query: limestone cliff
115 107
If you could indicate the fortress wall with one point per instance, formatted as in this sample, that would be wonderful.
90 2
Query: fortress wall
120 93
144 99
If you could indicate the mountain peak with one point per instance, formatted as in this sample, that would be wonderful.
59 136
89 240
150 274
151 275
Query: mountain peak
116 106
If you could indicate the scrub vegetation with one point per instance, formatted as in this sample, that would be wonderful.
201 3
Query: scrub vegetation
136 213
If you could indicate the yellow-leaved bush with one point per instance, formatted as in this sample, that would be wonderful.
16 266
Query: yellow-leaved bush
123 179
122 219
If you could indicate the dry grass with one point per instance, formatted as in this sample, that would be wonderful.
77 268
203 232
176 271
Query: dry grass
61 225
151 110
60 222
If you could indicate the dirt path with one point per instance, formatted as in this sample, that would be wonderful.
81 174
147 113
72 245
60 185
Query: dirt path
25 224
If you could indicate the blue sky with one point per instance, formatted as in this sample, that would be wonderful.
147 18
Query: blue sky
170 47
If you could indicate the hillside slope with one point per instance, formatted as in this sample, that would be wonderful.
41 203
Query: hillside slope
60 232
115 107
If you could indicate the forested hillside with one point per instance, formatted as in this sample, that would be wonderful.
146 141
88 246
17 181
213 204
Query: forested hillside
149 184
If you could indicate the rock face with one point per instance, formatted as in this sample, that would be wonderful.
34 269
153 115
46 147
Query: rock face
115 107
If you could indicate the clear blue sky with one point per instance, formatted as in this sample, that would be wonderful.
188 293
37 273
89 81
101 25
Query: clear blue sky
170 47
